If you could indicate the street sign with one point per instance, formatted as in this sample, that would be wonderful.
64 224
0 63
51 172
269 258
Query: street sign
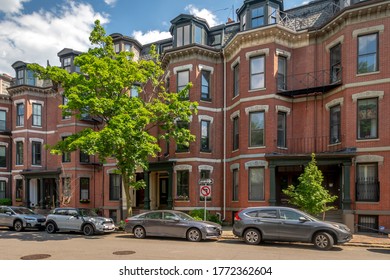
207 181
205 191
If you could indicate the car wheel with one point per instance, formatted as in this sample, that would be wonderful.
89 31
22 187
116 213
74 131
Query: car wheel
323 241
18 225
139 232
50 228
194 235
88 230
252 236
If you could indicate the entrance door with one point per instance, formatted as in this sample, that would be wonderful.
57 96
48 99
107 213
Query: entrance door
163 192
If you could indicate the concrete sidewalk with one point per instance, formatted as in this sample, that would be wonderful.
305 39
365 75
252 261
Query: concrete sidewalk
363 240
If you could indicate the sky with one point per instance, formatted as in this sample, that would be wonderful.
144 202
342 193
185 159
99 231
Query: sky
36 30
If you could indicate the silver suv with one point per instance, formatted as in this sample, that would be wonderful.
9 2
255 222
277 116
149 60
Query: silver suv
19 218
255 224
78 219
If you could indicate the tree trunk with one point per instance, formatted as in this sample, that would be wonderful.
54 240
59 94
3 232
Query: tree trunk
126 187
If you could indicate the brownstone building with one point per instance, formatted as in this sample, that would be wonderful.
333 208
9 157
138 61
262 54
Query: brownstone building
272 87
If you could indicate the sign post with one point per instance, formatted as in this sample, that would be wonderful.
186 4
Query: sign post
205 191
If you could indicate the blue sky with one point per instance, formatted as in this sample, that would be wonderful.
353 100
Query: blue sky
36 30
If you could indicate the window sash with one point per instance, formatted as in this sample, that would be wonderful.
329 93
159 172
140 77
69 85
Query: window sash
257 72
236 78
236 133
18 189
205 135
84 188
3 156
36 153
2 189
335 124
256 129
257 17
235 185
19 153
183 78
368 53
37 114
205 85
256 184
367 184
281 137
20 114
335 63
368 118
182 188
282 73
115 186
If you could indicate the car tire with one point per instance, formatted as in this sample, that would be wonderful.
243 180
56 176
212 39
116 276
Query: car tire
139 232
323 241
88 230
51 227
194 235
252 236
18 225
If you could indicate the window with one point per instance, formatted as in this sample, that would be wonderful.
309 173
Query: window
183 78
273 15
367 184
128 47
36 153
256 124
3 157
19 189
368 118
257 72
37 114
205 87
236 134
3 120
183 36
30 78
67 64
368 223
204 174
199 36
257 17
117 48
267 214
243 22
115 186
182 190
335 124
65 155
235 185
236 80
20 114
282 131
134 91
84 157
256 183
2 189
84 188
335 64
19 153
66 189
205 136
20 77
290 215
282 73
367 53
182 147
65 113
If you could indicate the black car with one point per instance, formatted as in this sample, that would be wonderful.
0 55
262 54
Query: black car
256 224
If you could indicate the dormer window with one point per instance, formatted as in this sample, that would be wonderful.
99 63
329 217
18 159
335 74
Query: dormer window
257 16
183 35
67 64
25 77
200 35
188 29
256 13
117 48
20 77
127 47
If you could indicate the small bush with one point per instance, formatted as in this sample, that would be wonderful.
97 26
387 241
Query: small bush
6 201
198 214
121 225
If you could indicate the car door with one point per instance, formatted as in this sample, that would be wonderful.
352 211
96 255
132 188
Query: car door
292 228
74 220
3 216
7 216
153 224
267 221
174 226
60 218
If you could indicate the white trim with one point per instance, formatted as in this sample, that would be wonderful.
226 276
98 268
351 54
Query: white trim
256 163
257 108
205 118
182 167
206 68
4 144
235 166
182 68
339 40
265 51
18 177
65 134
284 109
367 94
37 102
35 140
235 62
334 102
284 53
369 158
33 131
19 101
214 110
4 179
196 160
19 139
4 109
112 171
206 167
235 114
368 30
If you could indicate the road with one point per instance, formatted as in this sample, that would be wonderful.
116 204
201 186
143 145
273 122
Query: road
122 246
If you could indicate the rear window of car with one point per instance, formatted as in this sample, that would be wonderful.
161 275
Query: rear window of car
153 215
251 214
267 214
61 212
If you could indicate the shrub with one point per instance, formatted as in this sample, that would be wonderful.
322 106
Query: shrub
6 201
198 214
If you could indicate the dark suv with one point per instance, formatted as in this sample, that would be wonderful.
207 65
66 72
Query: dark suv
78 219
255 224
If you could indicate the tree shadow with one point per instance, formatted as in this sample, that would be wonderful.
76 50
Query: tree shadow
380 250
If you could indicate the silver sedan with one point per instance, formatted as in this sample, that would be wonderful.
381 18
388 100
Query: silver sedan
169 223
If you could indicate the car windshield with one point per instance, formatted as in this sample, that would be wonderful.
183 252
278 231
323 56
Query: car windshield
87 212
184 217
23 211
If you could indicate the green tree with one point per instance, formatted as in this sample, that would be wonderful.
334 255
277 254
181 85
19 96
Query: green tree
128 128
309 195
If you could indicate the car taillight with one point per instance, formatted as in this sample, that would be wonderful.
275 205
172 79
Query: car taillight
127 220
237 217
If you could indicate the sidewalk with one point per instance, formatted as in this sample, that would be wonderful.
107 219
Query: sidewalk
362 240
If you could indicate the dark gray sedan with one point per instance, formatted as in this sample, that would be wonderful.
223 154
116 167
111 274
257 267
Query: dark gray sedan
255 224
19 218
169 223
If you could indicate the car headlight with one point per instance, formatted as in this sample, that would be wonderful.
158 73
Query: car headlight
341 227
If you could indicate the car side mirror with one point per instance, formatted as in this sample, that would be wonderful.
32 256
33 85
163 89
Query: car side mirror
176 219
303 219
8 213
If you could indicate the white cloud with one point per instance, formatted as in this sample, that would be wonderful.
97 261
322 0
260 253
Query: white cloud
151 36
39 36
211 19
110 2
12 6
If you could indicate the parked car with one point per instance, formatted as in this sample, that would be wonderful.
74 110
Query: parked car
169 223
19 218
255 224
78 219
